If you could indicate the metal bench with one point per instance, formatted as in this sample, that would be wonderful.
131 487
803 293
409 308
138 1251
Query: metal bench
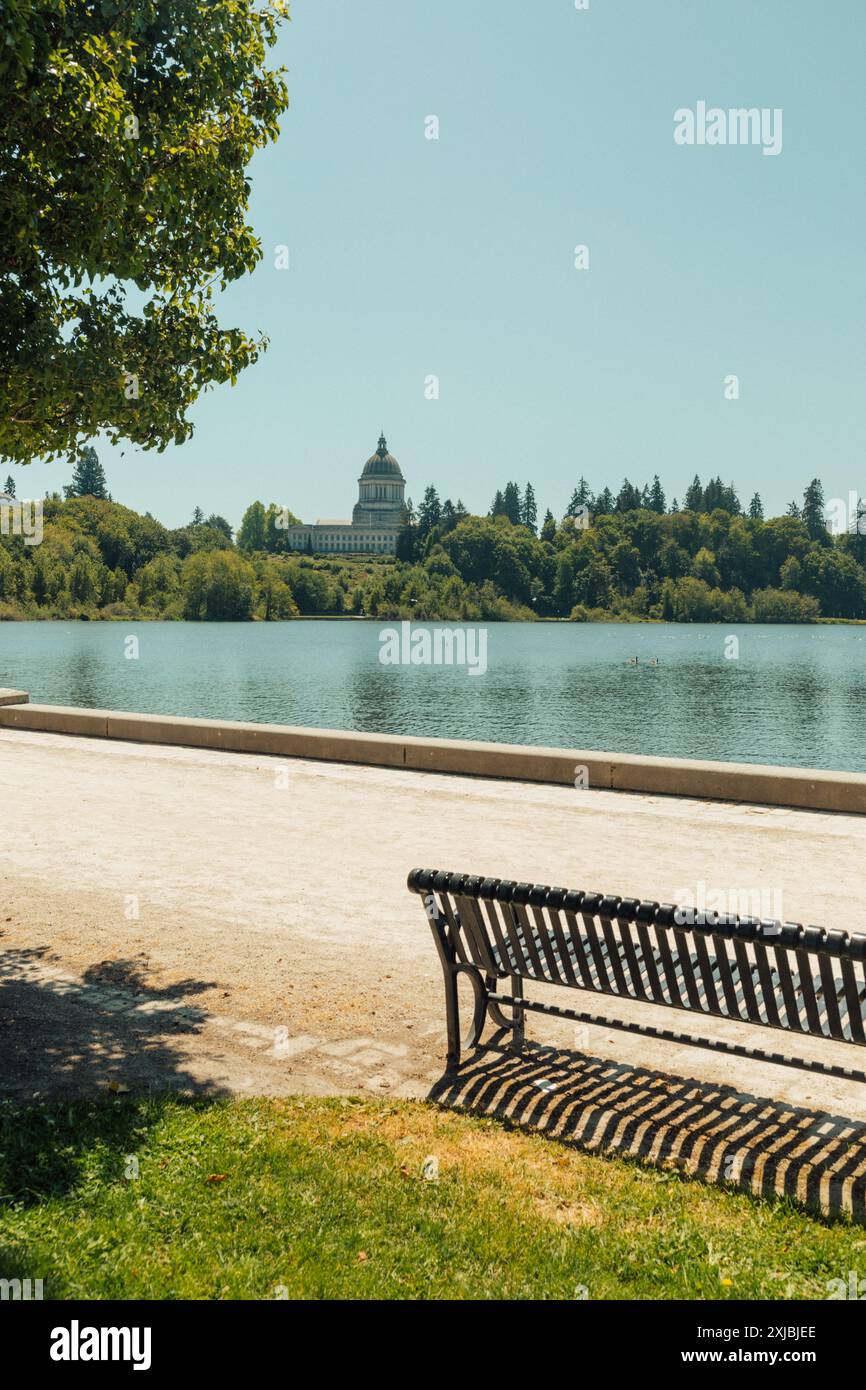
802 980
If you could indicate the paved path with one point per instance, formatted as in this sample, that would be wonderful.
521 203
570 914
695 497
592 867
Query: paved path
235 923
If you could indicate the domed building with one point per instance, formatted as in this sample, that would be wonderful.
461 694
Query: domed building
375 518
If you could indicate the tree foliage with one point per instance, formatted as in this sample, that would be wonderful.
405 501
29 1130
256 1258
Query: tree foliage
125 130
100 559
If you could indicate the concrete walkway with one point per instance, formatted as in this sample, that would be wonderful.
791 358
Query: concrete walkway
241 924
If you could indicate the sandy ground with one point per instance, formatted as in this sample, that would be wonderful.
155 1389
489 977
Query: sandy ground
175 917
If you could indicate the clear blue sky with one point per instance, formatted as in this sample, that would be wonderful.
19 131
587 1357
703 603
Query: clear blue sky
411 257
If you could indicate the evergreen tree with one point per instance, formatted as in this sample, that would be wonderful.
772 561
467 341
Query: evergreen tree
813 510
9 489
497 506
657 501
793 510
88 479
548 526
406 544
604 503
511 499
720 495
429 512
675 506
529 511
628 498
756 508
198 517
695 496
460 510
219 523
581 497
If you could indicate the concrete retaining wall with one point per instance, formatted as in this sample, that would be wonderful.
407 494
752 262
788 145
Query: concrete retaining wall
775 786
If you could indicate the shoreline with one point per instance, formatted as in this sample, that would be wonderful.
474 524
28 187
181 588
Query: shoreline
621 620
586 771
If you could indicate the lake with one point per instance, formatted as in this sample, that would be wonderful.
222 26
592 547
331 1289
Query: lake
793 695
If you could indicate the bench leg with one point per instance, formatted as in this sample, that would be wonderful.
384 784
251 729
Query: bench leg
452 1010
514 1024
518 1033
452 1019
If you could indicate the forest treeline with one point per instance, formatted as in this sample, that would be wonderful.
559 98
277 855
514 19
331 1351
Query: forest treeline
636 561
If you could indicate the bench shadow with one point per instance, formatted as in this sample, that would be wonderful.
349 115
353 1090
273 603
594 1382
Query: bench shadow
706 1131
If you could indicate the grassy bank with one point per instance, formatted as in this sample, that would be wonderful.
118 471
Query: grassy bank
162 1198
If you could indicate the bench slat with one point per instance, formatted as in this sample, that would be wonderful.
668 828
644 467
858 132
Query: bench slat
810 984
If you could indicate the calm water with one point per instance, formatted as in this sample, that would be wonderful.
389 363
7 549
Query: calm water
795 695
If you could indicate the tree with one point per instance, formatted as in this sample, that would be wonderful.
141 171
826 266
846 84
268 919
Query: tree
756 508
783 606
836 580
813 511
251 535
529 512
791 573
429 512
548 527
629 497
581 497
657 501
197 517
126 131
704 567
604 503
406 544
88 478
497 506
793 510
219 523
695 496
9 487
511 502
217 586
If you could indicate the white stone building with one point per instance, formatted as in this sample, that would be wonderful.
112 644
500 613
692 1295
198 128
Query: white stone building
375 518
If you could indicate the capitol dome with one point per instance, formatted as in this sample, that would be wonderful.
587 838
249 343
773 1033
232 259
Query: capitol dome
381 491
382 464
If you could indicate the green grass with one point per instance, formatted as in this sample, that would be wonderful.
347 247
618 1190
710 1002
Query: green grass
327 1199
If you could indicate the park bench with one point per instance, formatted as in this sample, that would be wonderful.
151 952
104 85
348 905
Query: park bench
802 980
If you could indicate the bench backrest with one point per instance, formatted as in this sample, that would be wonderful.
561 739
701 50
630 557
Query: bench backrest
779 974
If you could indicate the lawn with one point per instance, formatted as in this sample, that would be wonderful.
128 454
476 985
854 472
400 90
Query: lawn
308 1198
